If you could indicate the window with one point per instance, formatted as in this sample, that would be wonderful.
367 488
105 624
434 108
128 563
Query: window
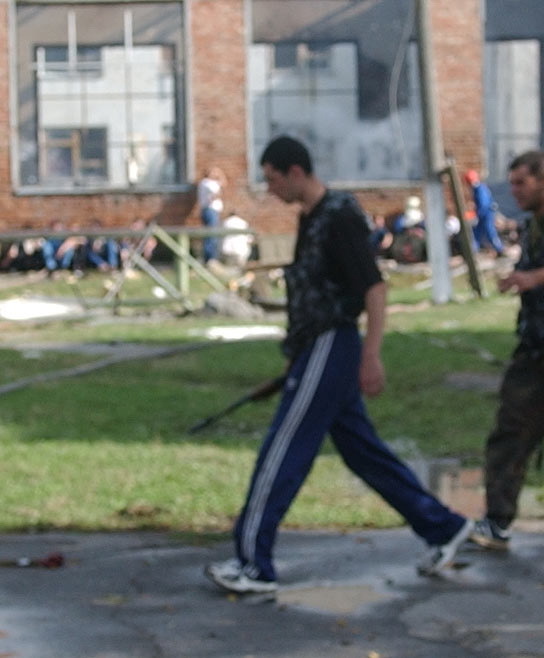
101 96
75 154
343 77
512 102
514 93
55 61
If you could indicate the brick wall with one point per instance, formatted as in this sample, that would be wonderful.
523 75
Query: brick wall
220 113
458 53
219 120
218 89
38 211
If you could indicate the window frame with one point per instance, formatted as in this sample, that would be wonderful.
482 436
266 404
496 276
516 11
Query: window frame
182 113
348 184
74 143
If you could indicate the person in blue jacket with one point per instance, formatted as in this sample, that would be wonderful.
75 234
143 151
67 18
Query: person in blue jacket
485 208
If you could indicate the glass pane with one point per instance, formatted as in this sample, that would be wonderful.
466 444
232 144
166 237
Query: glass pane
77 69
60 111
93 143
512 102
58 134
58 162
343 76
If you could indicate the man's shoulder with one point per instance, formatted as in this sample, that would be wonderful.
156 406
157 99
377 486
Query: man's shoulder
342 202
341 215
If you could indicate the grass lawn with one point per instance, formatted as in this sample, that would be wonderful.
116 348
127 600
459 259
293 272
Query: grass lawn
110 449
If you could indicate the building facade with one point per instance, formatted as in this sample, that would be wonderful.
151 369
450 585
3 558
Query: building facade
113 110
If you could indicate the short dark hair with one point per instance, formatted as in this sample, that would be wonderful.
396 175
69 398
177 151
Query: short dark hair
284 152
533 160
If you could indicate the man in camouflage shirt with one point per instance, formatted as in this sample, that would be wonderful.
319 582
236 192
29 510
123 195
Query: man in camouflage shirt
519 426
333 278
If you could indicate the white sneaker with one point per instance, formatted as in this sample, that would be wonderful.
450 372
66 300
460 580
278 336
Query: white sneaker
228 569
438 557
230 575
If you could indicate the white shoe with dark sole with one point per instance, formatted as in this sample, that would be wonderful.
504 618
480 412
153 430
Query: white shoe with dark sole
441 556
230 576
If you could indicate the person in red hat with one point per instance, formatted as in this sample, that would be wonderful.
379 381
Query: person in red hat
485 207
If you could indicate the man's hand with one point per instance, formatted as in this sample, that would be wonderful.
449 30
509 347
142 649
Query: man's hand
371 375
372 372
520 281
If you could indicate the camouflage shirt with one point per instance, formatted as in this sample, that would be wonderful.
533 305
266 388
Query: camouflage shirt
333 267
530 325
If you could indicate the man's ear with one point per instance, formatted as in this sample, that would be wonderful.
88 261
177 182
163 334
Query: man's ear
296 171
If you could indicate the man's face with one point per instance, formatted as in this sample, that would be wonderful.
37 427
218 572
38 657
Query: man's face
284 186
527 190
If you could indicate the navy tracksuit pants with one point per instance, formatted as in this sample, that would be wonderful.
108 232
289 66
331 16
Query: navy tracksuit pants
321 395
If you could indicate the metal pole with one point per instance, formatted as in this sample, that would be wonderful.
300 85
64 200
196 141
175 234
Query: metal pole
437 239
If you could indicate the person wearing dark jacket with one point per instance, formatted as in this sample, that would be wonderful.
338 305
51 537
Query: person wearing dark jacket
332 280
519 425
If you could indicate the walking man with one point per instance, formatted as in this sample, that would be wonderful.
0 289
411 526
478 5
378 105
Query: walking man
332 279
519 425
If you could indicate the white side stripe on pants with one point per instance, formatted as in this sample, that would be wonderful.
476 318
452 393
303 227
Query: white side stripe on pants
281 442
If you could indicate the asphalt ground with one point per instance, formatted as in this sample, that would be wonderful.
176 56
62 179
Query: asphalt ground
354 595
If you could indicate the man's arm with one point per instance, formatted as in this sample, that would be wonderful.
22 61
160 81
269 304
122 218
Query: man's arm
522 280
372 373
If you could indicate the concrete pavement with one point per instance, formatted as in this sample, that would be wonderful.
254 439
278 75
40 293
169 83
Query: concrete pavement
356 595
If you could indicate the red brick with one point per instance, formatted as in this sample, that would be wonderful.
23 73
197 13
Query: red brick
219 120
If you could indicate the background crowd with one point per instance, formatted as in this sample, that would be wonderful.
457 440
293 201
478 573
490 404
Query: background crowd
399 235
75 252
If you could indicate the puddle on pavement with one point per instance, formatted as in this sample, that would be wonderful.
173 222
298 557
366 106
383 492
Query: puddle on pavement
333 599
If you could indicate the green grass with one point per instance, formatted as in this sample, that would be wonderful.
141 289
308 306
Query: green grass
188 486
110 450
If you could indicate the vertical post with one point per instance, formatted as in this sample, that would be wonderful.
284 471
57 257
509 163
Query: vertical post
437 239
466 232
182 265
